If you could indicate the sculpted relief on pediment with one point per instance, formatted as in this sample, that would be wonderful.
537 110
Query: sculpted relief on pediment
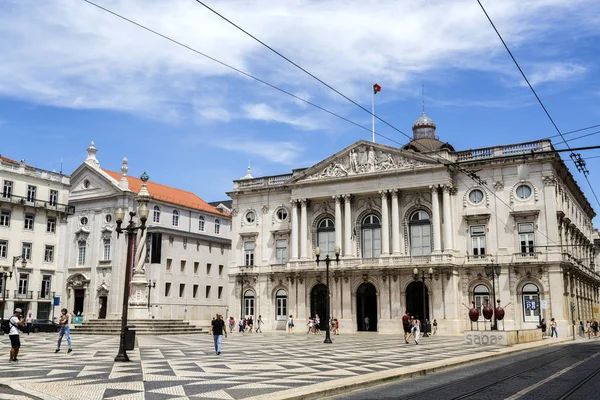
365 159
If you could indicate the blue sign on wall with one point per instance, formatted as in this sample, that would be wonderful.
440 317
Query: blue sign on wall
530 304
56 300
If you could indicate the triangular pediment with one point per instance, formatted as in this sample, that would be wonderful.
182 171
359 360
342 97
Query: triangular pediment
89 182
365 158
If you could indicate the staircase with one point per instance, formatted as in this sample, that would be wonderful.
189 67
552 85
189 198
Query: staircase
142 327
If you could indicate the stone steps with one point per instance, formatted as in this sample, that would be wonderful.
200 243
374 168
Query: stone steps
142 327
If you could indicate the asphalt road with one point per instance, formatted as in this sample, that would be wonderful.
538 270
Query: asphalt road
569 371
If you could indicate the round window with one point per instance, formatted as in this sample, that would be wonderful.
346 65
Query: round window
86 184
108 218
523 192
83 221
282 214
250 217
476 196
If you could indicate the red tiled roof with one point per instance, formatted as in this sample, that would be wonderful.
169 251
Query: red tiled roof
168 194
8 160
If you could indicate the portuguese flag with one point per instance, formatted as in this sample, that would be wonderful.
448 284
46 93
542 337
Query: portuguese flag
376 88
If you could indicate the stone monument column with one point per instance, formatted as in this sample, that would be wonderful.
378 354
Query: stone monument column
395 223
294 232
435 219
385 224
347 226
338 222
138 297
303 230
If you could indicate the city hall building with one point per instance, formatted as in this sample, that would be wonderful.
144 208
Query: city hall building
416 234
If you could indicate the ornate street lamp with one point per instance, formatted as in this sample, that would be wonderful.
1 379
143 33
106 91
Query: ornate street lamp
327 261
151 285
493 271
416 277
242 277
8 274
130 233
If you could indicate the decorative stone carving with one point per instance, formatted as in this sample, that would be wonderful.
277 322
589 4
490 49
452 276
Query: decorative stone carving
364 159
549 180
365 277
265 209
234 212
78 281
498 185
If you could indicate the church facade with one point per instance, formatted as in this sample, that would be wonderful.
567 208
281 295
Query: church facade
417 230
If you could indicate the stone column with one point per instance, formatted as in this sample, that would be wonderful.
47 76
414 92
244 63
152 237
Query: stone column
294 232
338 222
347 226
435 219
385 224
447 219
395 223
303 230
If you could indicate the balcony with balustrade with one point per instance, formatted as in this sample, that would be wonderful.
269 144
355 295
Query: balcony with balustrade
9 198
24 295
45 295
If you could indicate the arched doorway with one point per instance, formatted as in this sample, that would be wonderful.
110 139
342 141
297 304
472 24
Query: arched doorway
318 303
414 301
366 306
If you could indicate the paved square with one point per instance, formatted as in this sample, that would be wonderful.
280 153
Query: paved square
186 366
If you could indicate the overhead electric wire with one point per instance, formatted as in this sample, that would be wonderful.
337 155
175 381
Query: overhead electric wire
583 136
575 131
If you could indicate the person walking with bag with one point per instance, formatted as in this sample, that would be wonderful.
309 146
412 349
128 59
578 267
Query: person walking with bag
217 329
65 330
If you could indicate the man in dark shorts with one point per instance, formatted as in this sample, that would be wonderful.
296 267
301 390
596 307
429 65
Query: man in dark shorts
15 342
406 326
217 329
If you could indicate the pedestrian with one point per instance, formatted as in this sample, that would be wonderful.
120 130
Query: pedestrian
595 327
367 322
581 328
15 341
542 325
217 329
250 324
290 324
63 321
241 325
417 330
434 327
29 322
231 324
553 328
310 325
259 322
588 329
337 327
406 326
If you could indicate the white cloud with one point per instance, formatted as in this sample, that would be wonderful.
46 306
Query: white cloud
215 113
264 112
554 72
281 152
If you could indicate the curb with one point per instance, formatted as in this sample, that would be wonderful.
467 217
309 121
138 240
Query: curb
23 390
346 385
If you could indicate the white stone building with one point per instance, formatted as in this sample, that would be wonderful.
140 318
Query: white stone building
33 216
392 210
188 243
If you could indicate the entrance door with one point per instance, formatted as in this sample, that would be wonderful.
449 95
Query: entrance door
79 297
366 306
43 311
102 312
414 301
318 303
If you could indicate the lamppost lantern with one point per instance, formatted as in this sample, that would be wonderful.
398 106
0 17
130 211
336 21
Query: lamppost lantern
337 251
119 215
143 212
416 273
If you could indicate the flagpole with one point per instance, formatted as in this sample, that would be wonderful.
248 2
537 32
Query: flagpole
373 113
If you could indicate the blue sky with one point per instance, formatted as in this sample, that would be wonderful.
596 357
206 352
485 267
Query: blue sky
71 73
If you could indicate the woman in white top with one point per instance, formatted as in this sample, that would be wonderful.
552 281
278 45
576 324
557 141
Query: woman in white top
290 324
417 330
29 322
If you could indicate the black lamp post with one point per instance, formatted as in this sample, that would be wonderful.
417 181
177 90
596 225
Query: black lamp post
327 261
8 274
131 234
242 275
151 285
493 271
416 277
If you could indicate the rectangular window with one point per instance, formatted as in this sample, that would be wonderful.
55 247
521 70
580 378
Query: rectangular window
220 292
169 262
156 247
49 254
478 240
195 291
3 248
196 267
281 251
182 266
208 291
208 268
29 218
201 223
46 286
220 270
81 253
23 283
248 254
7 189
51 225
167 289
26 251
181 289
31 192
4 218
53 200
526 238
106 249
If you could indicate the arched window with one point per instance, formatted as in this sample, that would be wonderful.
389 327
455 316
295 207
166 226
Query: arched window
420 234
371 236
481 295
156 214
217 226
175 218
248 304
201 223
531 303
326 237
281 305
